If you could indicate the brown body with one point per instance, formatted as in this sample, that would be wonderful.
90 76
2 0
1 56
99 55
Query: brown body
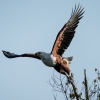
62 65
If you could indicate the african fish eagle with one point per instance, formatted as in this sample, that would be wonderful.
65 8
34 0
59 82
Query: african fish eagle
63 40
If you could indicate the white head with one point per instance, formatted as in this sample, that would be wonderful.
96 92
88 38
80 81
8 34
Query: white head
41 54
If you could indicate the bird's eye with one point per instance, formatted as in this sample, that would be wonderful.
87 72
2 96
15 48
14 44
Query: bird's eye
39 53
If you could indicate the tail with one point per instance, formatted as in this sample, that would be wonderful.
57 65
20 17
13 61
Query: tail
68 59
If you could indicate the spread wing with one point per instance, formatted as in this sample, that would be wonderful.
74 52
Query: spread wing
12 55
66 34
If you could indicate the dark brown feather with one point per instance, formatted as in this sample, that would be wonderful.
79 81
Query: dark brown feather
66 34
13 55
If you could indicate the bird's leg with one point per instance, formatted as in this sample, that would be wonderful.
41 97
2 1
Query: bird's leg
63 64
65 67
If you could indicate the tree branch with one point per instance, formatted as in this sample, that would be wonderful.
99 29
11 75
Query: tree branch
86 85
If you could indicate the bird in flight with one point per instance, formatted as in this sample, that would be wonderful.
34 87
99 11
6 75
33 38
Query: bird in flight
54 58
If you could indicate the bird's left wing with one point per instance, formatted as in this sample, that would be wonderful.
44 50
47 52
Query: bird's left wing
13 55
66 34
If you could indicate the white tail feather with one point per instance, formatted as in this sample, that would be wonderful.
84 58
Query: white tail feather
68 60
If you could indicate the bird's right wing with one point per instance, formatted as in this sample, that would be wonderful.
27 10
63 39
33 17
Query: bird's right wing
12 55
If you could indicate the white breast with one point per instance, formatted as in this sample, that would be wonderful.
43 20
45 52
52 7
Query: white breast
48 59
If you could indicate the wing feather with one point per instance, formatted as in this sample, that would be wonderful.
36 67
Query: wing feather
66 34
13 55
